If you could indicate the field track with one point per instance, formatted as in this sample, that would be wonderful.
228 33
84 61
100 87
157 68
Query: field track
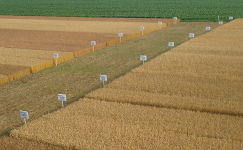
186 116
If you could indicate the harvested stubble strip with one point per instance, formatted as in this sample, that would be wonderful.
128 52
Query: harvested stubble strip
8 143
206 48
169 101
196 65
170 84
95 124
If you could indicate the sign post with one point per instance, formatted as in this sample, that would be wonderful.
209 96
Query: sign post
93 43
103 78
191 35
62 97
55 56
171 44
160 24
120 35
143 58
142 28
24 114
208 28
221 22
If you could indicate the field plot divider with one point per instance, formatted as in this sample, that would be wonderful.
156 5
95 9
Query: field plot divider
19 74
64 58
4 79
42 66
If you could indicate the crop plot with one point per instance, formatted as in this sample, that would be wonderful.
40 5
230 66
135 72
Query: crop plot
95 124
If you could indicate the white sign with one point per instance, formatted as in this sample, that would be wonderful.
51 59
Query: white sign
160 23
62 97
120 34
103 77
208 28
93 43
175 18
171 44
231 18
221 22
24 114
55 55
142 28
191 35
143 57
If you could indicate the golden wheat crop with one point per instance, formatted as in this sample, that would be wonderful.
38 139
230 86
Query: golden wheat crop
180 86
169 101
8 143
95 124
196 65
224 40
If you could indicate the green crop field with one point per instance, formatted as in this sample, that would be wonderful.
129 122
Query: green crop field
187 10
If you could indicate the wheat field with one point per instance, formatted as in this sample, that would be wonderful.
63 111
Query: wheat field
95 124
187 98
169 101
